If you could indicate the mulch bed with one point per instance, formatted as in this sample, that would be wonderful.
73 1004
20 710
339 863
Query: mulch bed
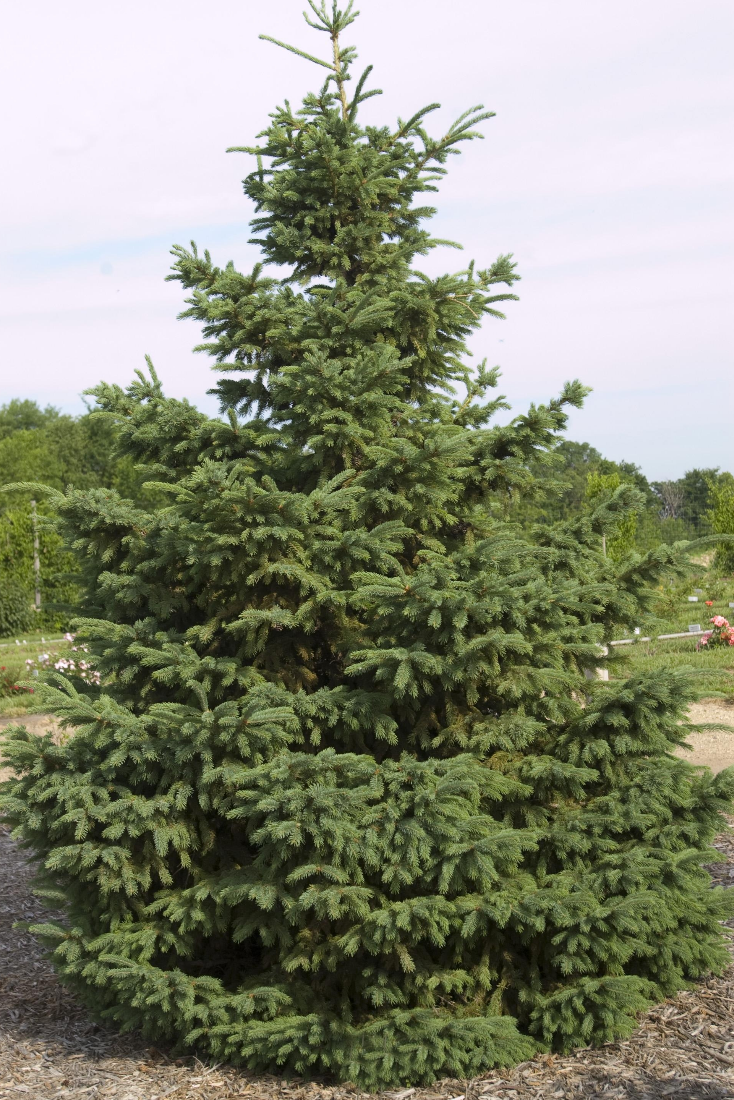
49 1048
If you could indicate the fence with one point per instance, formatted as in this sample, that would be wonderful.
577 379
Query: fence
652 531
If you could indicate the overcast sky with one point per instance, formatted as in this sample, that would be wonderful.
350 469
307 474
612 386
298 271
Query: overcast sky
607 171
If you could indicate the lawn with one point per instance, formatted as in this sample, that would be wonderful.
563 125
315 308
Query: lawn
13 656
713 669
673 613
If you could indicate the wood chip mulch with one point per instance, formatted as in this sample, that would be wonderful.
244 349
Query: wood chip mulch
49 1048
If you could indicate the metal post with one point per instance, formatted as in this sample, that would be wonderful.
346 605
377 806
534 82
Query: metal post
36 555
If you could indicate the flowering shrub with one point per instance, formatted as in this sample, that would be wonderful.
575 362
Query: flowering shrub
722 634
70 665
8 685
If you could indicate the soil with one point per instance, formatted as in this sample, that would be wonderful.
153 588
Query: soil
713 748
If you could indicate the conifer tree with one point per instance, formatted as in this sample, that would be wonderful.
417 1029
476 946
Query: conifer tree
344 803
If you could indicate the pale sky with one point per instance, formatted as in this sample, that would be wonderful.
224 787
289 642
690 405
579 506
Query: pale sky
607 171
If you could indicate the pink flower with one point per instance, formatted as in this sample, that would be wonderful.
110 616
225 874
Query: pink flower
719 620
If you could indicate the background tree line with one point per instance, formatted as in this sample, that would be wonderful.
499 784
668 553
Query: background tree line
697 504
43 444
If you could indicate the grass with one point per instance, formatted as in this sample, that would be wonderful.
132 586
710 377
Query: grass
13 658
713 669
671 614
31 639
676 615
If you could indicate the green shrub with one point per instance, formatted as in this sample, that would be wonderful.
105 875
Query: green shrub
16 611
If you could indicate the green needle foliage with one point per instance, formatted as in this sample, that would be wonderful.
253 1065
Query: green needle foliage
345 803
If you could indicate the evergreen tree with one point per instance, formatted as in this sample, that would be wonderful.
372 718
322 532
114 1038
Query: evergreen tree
345 803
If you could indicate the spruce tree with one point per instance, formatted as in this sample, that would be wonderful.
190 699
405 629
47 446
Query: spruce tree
345 803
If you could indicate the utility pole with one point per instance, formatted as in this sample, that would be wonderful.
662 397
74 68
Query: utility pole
36 555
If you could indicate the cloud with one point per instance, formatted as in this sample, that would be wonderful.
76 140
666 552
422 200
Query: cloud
607 171
67 140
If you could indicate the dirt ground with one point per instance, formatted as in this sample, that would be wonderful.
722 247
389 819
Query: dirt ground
714 748
37 723
51 1050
